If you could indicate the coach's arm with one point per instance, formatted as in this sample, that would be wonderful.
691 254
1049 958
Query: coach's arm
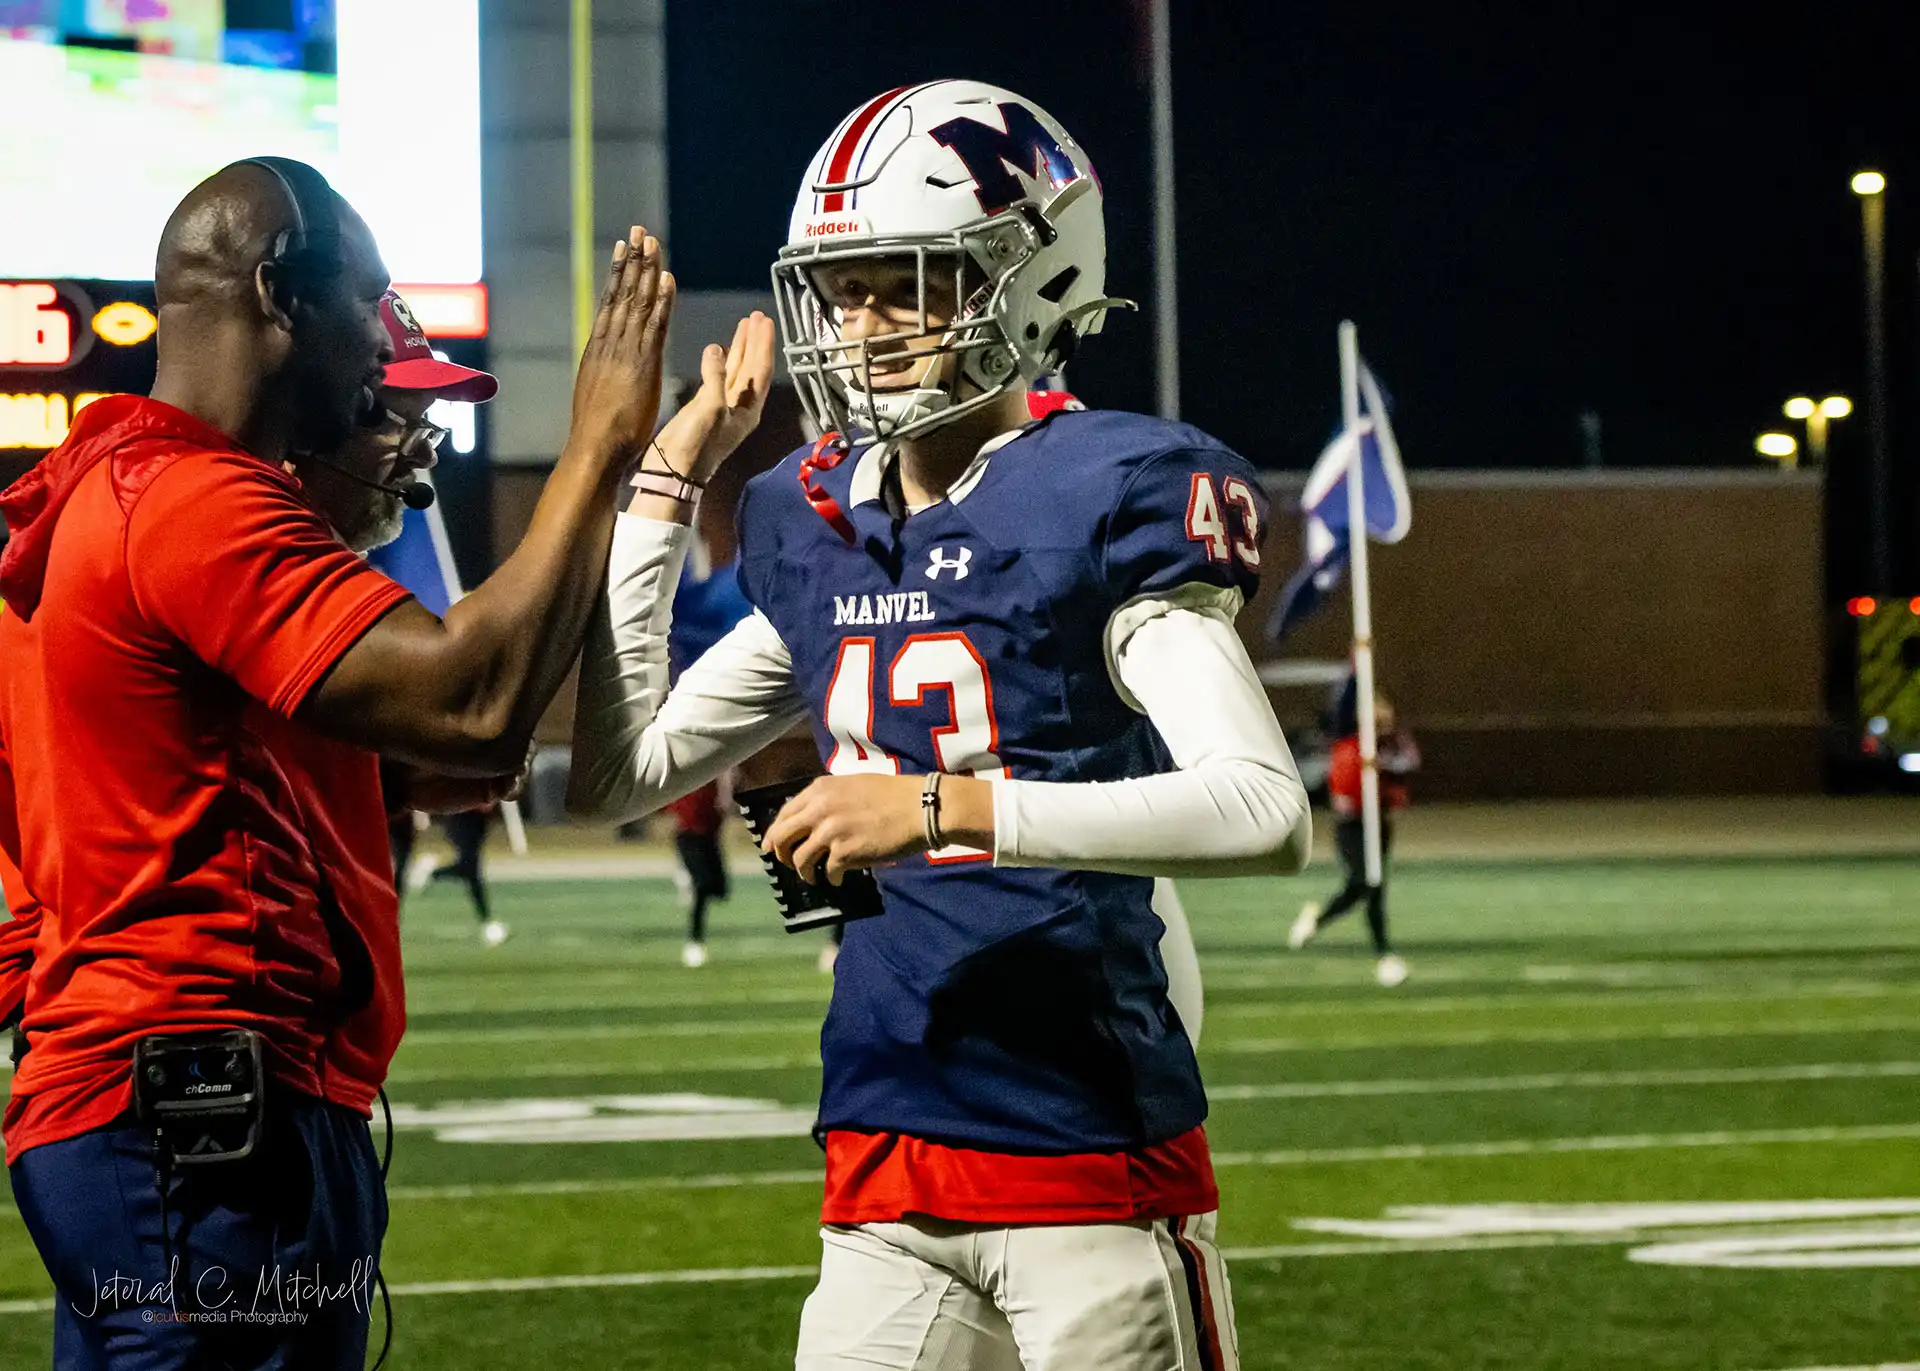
463 694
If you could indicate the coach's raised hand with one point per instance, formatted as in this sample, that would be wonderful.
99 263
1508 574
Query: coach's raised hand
616 395
462 696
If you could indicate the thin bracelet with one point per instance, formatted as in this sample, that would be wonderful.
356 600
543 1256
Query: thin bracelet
669 483
661 453
930 811
660 483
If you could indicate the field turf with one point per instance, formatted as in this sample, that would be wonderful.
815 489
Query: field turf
602 1158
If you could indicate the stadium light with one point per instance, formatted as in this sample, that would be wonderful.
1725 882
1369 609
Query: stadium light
1777 447
1816 418
1868 183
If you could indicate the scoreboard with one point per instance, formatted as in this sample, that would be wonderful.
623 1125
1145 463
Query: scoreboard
64 344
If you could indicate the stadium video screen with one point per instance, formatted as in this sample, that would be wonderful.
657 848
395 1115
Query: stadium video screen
112 109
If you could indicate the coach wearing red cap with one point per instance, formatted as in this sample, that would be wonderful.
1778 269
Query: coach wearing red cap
363 487
198 677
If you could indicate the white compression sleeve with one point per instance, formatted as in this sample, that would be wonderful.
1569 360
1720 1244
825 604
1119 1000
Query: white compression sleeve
635 746
1234 806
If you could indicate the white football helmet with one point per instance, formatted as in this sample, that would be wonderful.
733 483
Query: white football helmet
967 180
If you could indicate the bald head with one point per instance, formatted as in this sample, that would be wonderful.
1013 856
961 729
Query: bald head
300 330
219 234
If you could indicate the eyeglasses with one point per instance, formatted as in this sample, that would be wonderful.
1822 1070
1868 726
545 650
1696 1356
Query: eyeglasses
415 437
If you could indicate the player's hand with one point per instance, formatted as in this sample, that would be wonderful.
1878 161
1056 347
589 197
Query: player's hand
616 395
843 823
733 390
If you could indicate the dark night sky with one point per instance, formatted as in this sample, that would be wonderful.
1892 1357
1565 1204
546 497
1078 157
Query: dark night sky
1637 209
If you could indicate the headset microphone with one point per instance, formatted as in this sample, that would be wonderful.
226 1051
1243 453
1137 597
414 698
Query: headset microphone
412 494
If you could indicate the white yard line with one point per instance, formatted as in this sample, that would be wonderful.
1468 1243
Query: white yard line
511 1285
1312 1251
540 1071
432 1003
1595 1034
1568 1080
723 1181
1536 998
682 1028
1606 1142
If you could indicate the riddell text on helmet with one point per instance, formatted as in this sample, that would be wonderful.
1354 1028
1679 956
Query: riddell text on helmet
834 228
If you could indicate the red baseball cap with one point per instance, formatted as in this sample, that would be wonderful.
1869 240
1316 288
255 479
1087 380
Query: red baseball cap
414 367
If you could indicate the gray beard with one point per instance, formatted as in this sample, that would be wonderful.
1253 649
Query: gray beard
380 531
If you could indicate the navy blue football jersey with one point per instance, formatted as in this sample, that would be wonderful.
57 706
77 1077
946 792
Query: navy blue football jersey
1004 1009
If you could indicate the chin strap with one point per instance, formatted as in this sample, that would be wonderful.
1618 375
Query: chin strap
828 452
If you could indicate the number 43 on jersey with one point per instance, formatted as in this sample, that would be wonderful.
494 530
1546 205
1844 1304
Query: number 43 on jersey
966 745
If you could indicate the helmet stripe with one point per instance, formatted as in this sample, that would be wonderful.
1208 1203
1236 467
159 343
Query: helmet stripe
859 167
849 142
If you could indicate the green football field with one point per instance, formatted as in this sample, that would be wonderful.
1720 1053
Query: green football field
1626 1114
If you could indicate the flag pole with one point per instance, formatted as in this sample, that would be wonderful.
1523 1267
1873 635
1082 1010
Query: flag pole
1166 280
1357 539
580 166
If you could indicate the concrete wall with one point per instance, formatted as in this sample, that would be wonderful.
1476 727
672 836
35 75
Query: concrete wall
1611 633
524 58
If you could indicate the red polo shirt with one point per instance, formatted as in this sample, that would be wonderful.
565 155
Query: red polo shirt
196 858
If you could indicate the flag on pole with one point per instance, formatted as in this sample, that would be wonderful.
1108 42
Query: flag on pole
1389 508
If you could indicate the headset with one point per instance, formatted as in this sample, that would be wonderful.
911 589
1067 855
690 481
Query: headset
308 252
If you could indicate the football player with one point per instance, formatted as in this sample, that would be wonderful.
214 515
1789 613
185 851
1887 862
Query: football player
1013 639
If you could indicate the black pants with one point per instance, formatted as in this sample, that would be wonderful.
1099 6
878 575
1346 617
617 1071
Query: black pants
467 831
707 875
1349 835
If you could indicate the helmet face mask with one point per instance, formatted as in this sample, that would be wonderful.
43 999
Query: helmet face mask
969 359
899 188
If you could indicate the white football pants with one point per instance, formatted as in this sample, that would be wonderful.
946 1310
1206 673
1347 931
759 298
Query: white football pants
931 1295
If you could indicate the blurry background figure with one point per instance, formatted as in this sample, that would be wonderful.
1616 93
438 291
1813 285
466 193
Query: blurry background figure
706 606
1398 757
703 875
467 831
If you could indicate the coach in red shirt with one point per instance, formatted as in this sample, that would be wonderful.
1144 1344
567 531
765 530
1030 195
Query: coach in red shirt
196 675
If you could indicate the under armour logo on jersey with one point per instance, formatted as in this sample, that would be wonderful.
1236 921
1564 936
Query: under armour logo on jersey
957 563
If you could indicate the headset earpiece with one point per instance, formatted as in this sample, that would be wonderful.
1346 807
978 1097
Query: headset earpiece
309 251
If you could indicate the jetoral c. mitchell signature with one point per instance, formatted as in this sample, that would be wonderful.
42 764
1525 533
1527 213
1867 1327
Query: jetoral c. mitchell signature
274 1287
